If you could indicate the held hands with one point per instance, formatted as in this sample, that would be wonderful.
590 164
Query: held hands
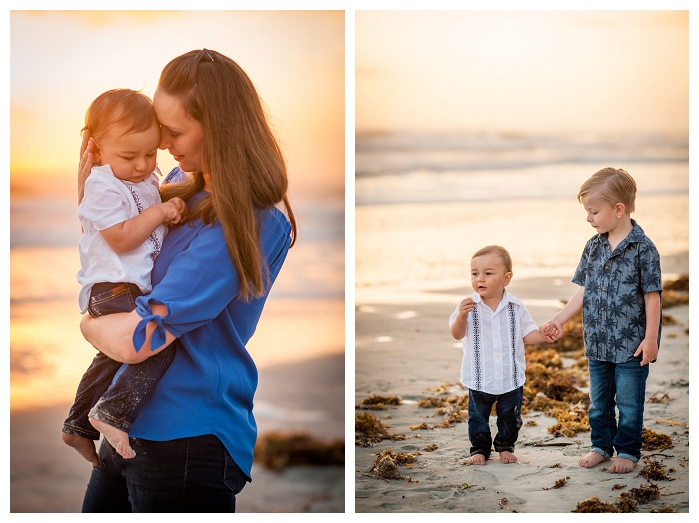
173 209
551 331
466 306
649 348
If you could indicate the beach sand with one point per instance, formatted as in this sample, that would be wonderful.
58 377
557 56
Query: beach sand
48 476
406 351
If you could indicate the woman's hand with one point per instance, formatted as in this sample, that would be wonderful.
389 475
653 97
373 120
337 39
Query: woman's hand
87 160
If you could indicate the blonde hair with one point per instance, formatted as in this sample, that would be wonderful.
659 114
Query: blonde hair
244 163
126 108
500 252
612 186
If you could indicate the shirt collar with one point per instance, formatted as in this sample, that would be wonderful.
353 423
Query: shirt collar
635 235
506 298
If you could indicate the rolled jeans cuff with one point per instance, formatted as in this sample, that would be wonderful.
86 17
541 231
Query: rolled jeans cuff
606 455
627 456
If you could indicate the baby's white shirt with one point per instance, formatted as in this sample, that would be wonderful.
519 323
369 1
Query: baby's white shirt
493 360
108 201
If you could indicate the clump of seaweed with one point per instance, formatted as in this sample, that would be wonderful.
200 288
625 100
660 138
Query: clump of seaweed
651 440
559 483
663 510
531 423
676 292
276 451
431 447
659 397
594 504
680 284
431 403
618 487
643 494
421 426
368 430
654 471
386 465
377 402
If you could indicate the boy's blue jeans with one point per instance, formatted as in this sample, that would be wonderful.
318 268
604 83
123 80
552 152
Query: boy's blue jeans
508 410
620 385
119 406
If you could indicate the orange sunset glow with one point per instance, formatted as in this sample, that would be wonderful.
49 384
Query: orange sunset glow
62 60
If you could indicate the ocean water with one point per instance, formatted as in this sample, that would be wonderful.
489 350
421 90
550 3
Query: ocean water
303 318
426 202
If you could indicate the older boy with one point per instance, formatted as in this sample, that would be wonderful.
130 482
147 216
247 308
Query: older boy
619 275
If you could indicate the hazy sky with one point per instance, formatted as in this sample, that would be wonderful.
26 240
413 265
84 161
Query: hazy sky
61 60
540 71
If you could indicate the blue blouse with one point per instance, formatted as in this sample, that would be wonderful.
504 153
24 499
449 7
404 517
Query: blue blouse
614 311
209 387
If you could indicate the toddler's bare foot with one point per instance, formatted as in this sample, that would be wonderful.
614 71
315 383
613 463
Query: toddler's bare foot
478 459
622 466
507 457
116 438
84 446
592 459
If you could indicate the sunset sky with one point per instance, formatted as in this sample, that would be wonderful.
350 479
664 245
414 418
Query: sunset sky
61 60
523 71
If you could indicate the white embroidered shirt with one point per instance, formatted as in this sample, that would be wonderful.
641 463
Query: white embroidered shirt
493 360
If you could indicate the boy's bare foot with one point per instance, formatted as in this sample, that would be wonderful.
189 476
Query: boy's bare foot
478 459
84 446
507 457
622 466
592 459
116 438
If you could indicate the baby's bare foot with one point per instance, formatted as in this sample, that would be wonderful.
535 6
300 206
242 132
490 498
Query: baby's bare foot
84 446
622 466
592 459
507 457
478 459
116 438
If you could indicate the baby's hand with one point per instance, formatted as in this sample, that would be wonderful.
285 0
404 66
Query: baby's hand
174 209
466 306
549 332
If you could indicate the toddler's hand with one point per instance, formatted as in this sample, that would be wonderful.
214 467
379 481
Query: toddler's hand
551 332
173 211
466 306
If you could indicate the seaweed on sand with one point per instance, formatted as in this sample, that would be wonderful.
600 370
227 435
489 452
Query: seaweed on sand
386 465
643 494
654 471
277 450
559 483
377 402
368 430
651 440
594 504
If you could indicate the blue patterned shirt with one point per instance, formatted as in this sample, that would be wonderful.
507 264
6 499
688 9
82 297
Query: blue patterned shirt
614 312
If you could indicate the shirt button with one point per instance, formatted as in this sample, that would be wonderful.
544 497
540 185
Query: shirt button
497 335
602 330
606 266
604 288
602 309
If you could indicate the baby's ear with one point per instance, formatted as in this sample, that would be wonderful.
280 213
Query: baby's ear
96 153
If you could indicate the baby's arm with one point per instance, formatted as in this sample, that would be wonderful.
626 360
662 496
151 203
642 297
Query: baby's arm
129 234
545 333
571 309
458 328
649 345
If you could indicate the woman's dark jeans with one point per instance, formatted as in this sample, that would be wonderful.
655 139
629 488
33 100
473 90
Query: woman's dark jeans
508 409
119 406
183 475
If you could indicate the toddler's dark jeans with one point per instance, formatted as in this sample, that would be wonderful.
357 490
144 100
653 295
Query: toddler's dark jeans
119 406
508 410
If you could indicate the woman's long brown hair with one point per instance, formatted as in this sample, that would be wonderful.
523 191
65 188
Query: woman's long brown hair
242 159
